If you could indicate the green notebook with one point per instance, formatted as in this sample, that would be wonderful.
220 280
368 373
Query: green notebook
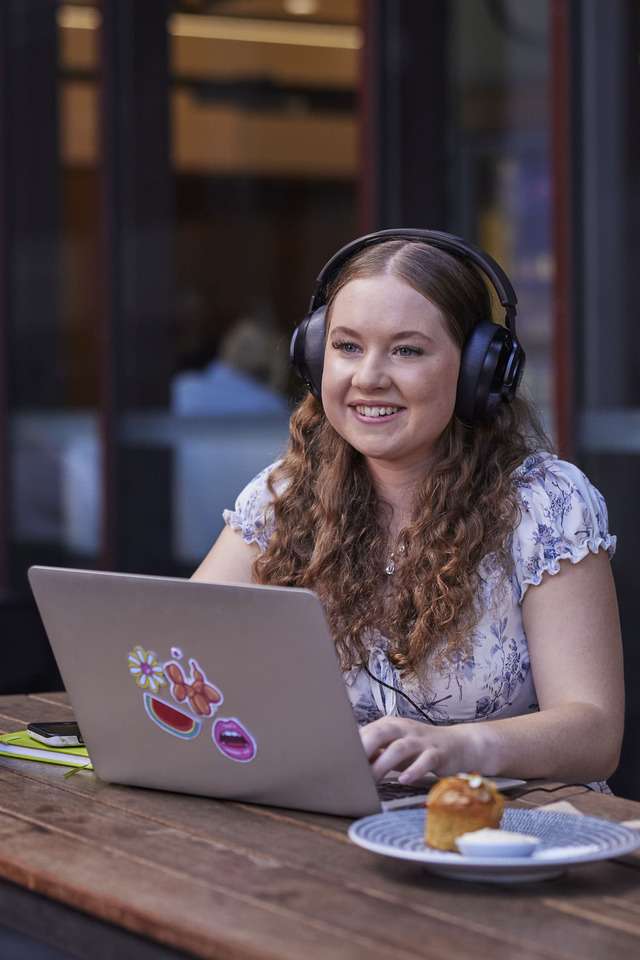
23 747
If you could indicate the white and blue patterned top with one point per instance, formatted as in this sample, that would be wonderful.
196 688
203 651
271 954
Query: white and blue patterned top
563 517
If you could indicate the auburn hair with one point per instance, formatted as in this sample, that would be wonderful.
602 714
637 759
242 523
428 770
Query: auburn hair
330 528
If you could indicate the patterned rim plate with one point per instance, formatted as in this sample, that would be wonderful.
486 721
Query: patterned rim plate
566 839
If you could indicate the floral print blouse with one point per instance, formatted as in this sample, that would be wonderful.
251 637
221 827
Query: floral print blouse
564 517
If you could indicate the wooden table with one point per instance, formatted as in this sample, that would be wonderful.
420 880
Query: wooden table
138 873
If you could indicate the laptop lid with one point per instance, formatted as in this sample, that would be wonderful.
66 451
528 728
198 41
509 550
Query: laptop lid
229 691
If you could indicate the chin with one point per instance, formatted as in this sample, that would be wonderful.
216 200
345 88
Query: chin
373 453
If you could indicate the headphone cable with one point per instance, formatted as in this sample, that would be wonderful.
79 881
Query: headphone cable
407 697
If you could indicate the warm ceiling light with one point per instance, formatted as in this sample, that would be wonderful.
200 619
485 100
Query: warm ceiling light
300 8
78 18
250 30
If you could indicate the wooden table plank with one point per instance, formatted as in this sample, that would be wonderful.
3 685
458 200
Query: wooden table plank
229 879
59 697
234 832
209 923
181 867
18 710
60 928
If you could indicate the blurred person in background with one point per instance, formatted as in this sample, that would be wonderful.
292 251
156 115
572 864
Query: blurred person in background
247 374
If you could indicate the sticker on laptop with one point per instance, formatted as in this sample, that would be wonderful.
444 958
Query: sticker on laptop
201 696
171 720
193 689
146 670
233 739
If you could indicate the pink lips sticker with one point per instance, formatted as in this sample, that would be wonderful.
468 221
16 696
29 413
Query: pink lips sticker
234 740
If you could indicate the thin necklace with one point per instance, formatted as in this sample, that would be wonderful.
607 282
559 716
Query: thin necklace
390 566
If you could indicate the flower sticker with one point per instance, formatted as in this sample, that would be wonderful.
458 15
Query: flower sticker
145 669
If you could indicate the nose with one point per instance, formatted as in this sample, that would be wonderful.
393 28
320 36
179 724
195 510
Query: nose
371 373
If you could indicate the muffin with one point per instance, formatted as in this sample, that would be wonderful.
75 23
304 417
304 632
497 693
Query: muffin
458 805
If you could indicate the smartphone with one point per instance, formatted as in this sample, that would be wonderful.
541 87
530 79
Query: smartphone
64 734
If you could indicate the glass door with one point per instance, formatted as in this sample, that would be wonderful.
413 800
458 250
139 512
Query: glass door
500 176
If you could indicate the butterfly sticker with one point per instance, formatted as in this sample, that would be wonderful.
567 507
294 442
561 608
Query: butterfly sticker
203 697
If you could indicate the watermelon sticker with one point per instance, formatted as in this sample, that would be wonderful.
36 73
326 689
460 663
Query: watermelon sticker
234 740
169 719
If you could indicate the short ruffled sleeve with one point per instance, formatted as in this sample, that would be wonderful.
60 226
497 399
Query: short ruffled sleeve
253 513
564 517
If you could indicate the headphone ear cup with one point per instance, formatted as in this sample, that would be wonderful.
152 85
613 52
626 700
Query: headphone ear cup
306 350
482 369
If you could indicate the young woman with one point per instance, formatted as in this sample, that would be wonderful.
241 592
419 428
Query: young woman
464 569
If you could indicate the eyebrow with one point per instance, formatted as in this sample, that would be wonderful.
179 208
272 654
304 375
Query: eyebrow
402 335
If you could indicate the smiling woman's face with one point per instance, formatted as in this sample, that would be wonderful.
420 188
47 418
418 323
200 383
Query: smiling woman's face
390 370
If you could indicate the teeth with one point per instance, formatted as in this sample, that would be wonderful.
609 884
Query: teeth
377 411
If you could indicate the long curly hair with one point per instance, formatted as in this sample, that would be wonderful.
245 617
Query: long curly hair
331 529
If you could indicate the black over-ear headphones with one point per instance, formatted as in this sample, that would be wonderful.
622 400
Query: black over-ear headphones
492 358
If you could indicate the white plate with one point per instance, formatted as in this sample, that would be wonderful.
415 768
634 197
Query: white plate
566 839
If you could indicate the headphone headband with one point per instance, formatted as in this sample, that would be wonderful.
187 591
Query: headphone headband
492 359
435 238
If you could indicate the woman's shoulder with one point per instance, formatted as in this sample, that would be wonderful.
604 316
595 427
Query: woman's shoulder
563 516
258 488
252 515
543 474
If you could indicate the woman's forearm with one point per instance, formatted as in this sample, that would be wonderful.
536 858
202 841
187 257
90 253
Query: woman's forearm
575 741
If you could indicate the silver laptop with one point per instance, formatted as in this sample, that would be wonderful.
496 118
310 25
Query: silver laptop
222 690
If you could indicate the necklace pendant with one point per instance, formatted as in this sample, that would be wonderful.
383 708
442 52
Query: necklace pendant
390 567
